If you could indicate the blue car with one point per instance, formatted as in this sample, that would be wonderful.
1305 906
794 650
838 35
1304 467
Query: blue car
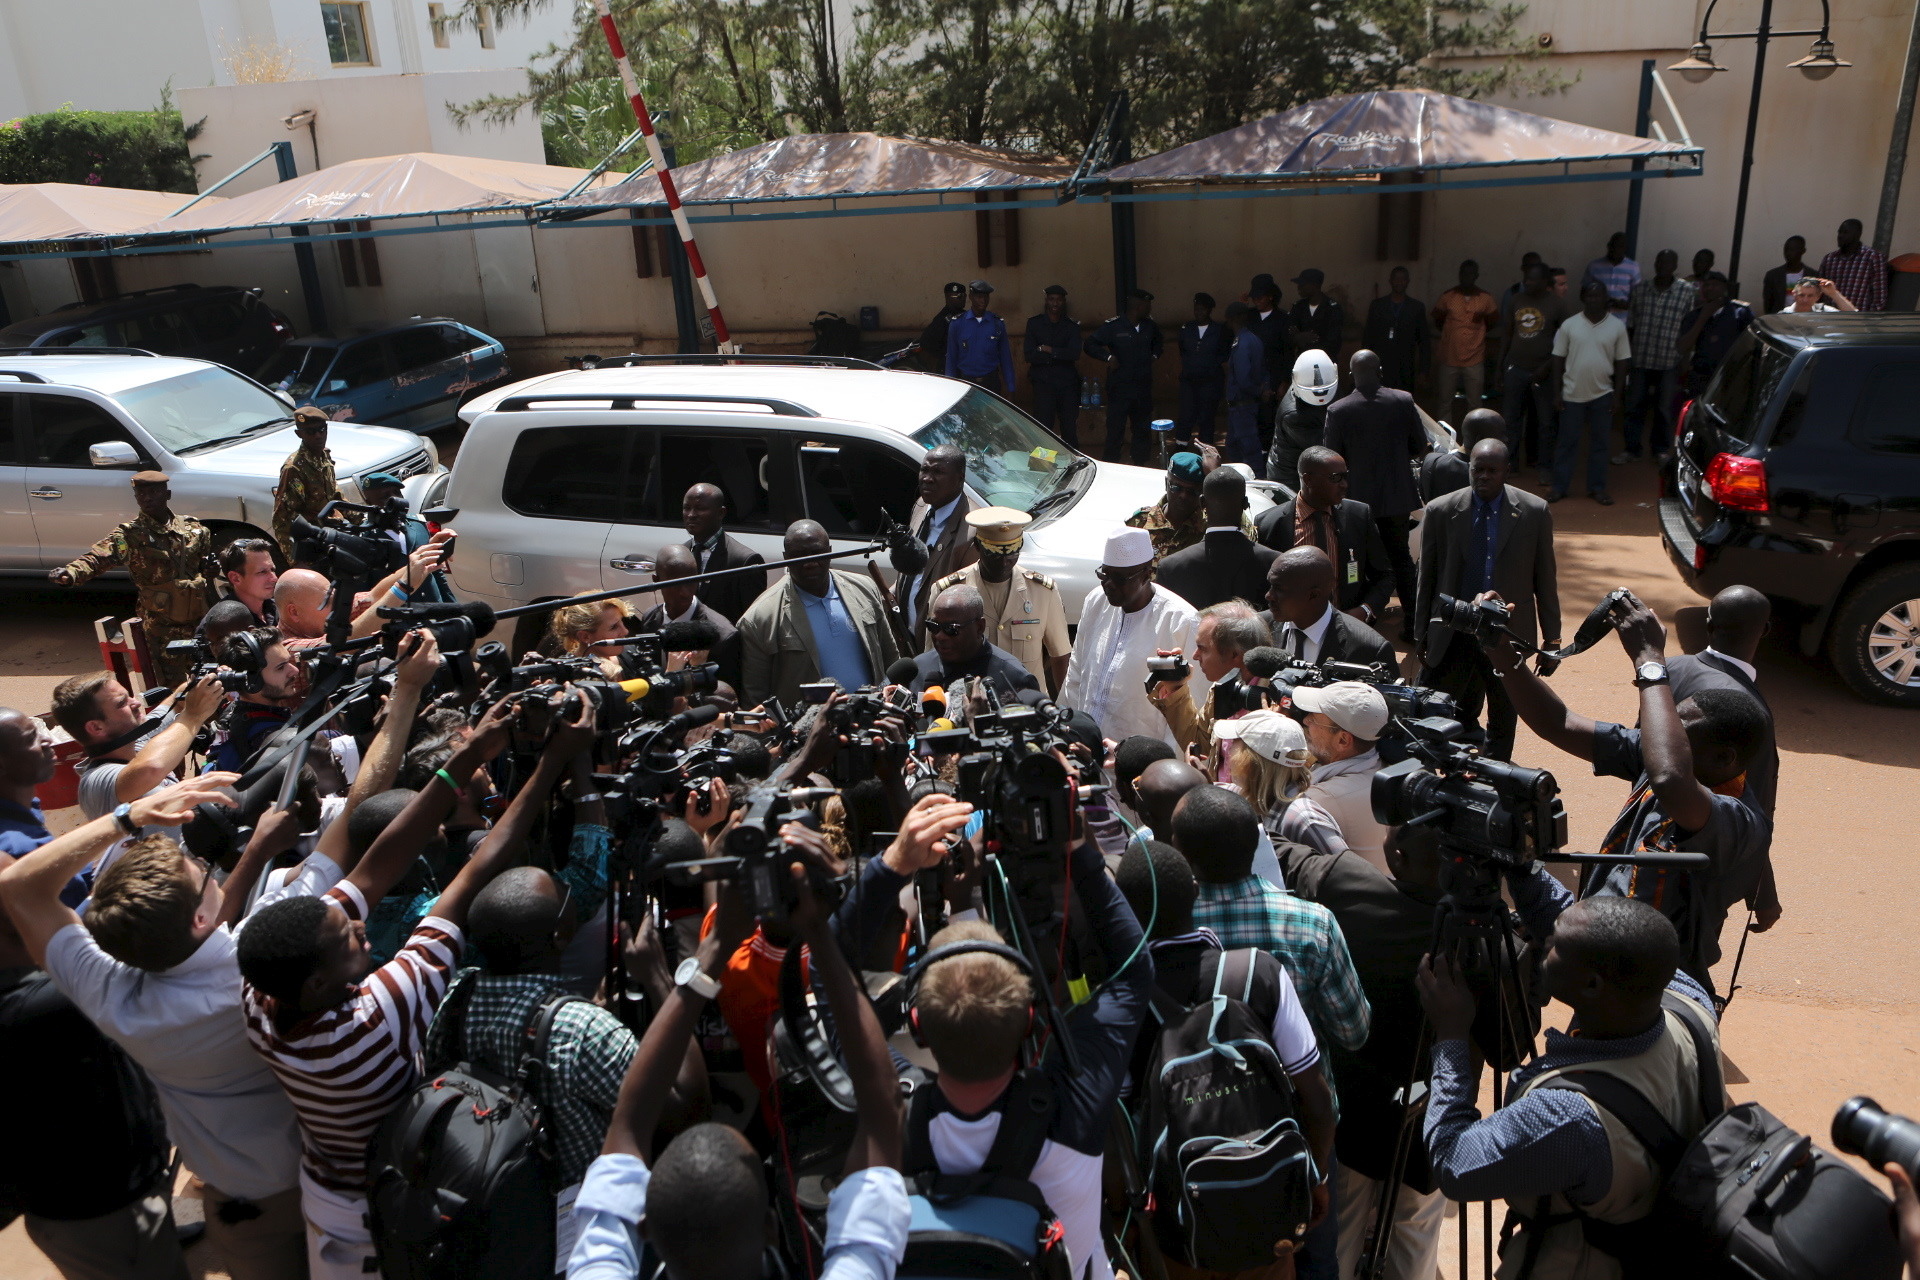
413 375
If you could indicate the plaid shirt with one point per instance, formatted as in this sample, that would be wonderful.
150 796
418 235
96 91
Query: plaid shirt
1860 276
1655 316
586 1057
1306 938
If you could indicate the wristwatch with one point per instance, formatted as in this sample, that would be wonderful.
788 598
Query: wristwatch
695 979
123 818
1649 673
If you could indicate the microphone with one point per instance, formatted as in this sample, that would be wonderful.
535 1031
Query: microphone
689 636
693 718
478 612
903 671
1265 662
906 553
934 701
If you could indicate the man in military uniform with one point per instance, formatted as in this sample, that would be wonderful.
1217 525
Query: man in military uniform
306 478
1178 521
1024 613
166 556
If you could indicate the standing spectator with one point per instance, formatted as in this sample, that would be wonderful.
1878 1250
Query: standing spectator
1204 344
1271 325
1712 328
1024 612
1590 355
1397 330
933 339
816 622
1657 315
1445 472
938 519
1129 343
1462 317
1125 621
1528 260
1702 267
1616 273
1318 321
1378 430
1559 276
978 348
1858 270
1225 564
1776 287
1321 515
307 482
703 514
1815 294
1052 351
1246 389
1526 400
1490 537
1302 422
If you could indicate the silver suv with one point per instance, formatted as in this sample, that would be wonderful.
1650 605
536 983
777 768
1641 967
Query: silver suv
74 423
571 482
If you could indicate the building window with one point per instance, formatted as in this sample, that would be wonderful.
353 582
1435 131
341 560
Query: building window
484 24
359 259
347 42
437 18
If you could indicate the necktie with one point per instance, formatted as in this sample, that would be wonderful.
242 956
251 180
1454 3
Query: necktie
1298 638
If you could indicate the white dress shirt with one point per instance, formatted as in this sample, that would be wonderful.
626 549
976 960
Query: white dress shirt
910 585
1107 675
1316 637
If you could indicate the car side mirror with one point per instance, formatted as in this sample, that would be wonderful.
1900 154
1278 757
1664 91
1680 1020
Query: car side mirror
113 453
334 386
286 397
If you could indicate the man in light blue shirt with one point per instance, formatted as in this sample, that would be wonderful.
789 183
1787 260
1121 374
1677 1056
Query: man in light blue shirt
836 639
977 345
818 623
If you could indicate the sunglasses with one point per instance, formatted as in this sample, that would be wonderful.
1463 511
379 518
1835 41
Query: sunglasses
1119 575
947 628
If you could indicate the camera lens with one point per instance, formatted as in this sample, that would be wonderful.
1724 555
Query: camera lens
1861 1127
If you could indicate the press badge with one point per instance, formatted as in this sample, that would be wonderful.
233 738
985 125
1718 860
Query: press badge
1353 569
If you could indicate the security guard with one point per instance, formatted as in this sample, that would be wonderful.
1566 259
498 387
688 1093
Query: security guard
306 478
978 348
166 556
1177 521
1130 342
1025 615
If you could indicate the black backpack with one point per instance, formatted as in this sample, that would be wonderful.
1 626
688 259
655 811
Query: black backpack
461 1172
1229 1168
992 1224
1746 1199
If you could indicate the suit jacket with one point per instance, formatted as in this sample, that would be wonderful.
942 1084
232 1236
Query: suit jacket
951 552
729 597
1524 572
1224 565
777 653
726 651
1380 436
1348 640
1364 572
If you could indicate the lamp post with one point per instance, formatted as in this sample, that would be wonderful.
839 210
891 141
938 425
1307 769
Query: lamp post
1698 67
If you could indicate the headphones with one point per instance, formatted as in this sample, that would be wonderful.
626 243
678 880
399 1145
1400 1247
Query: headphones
971 946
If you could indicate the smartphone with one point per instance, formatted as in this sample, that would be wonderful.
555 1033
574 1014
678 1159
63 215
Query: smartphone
446 548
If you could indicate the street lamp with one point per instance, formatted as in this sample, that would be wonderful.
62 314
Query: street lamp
1698 67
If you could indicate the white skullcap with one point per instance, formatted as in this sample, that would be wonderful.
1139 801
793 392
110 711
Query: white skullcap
1127 548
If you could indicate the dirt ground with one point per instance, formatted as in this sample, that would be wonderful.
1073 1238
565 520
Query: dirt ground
1827 1000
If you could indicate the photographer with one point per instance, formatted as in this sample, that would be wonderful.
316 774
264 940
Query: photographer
247 566
1344 722
304 601
260 713
1687 764
121 765
1557 1158
1226 632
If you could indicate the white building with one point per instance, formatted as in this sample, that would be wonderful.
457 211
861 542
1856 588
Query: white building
119 55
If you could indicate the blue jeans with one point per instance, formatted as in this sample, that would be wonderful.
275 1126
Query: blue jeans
1523 398
1596 416
1650 389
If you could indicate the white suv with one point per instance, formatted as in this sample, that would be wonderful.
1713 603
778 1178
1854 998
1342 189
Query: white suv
572 482
74 423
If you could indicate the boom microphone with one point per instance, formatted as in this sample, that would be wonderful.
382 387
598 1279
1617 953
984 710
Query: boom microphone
1265 662
478 612
691 635
903 671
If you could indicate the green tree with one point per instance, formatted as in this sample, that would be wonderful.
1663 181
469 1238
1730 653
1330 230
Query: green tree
143 150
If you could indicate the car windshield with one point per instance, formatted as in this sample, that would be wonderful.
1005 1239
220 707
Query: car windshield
202 408
296 368
1012 461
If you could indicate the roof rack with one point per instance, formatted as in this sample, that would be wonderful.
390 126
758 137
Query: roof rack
519 403
75 351
21 374
710 357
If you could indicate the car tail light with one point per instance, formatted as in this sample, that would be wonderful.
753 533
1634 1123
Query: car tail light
1699 557
1737 482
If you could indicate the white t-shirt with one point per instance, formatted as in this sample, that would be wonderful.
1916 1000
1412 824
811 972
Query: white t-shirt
1590 351
1069 1179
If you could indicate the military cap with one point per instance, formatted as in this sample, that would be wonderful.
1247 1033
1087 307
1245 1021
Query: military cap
309 413
1312 275
979 286
1056 288
377 478
150 477
954 287
999 529
1187 466
1141 294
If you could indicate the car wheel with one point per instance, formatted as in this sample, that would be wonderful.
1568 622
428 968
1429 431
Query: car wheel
226 534
1874 644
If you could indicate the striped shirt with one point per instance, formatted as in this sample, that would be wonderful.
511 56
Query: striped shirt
344 1068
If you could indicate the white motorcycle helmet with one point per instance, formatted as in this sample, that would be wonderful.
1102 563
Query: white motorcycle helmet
1314 378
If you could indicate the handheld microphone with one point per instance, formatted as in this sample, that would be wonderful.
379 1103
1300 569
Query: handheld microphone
934 701
903 671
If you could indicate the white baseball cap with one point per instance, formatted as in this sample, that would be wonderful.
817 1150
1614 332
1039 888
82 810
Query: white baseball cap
1354 705
1314 377
1128 548
1271 735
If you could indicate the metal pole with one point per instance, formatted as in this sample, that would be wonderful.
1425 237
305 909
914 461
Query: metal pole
1746 155
302 253
1897 146
664 171
1642 125
686 320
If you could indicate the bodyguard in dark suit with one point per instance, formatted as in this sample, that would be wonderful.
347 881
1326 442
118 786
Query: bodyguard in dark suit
939 519
1397 328
1225 564
703 513
1318 321
1051 349
1304 623
1272 326
1204 345
1378 430
1339 526
1129 343
1487 537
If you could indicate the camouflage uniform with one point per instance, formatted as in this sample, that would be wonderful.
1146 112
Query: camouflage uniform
168 565
306 485
1169 537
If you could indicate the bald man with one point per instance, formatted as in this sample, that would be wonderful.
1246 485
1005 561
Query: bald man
958 648
1300 613
703 513
817 622
304 601
680 603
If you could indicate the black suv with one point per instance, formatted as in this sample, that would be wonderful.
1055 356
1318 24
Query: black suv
1798 473
221 323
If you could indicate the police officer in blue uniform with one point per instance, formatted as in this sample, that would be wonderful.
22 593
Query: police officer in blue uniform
977 345
1204 344
1052 351
1129 343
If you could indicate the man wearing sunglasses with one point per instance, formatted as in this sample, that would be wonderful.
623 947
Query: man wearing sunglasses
1322 515
958 647
306 478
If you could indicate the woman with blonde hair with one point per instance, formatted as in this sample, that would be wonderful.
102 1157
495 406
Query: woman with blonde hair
583 630
1270 764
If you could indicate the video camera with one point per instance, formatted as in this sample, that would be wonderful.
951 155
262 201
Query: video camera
1505 813
203 664
856 719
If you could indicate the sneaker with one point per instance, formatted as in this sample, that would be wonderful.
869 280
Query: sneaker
1604 499
1555 497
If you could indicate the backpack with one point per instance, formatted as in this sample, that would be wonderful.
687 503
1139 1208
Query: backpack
992 1224
461 1182
1746 1199
1228 1166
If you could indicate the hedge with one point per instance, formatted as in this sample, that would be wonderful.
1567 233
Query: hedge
146 150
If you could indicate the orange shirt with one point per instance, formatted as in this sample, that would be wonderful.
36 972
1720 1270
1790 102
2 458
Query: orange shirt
1463 336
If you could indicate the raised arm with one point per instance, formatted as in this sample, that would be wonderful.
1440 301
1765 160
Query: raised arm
277 831
1665 752
397 587
164 751
419 659
1539 705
